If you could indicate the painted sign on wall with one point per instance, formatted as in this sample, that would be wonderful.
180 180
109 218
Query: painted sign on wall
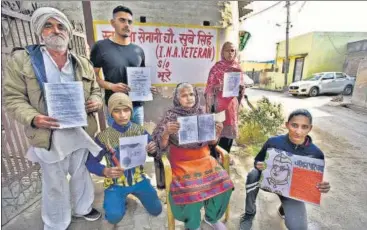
176 53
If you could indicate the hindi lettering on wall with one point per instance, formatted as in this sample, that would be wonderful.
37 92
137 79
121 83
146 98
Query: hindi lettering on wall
174 53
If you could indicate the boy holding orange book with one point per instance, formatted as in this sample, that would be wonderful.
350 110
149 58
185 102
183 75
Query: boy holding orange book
296 142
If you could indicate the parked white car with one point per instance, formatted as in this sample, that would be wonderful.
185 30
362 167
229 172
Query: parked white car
325 82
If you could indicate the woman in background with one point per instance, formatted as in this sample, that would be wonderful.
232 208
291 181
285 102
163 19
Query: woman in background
215 102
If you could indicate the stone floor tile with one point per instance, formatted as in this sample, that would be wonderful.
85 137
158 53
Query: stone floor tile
141 222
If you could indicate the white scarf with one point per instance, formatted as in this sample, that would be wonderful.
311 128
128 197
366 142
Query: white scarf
41 15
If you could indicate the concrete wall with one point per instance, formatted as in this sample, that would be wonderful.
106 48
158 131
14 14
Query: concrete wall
329 50
360 89
297 45
357 51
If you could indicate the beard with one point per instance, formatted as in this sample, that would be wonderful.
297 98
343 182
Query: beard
56 42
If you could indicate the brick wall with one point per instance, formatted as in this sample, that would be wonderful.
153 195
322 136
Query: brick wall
177 12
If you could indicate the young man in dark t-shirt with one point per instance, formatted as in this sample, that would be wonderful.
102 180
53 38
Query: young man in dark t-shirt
113 55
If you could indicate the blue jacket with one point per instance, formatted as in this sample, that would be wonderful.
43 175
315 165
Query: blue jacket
110 137
283 143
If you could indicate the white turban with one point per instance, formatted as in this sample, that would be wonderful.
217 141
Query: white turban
41 15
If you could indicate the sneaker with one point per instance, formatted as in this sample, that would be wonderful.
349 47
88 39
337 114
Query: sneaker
93 215
246 221
217 226
281 212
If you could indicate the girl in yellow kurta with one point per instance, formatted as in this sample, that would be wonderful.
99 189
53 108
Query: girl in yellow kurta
198 179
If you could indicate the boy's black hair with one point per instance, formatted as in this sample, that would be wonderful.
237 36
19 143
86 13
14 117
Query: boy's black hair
121 9
301 112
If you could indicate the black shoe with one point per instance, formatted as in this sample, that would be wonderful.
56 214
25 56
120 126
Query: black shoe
281 212
93 215
246 221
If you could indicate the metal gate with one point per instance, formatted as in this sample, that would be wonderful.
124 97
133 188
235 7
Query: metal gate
20 178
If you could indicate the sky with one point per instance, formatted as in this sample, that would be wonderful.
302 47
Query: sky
348 16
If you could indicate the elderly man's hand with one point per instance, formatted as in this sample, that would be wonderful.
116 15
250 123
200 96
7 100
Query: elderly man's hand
45 122
92 106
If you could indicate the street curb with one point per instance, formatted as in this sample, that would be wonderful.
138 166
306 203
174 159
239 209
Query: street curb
354 107
348 105
269 90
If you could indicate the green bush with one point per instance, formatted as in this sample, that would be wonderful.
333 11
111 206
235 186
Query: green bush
258 124
249 134
253 150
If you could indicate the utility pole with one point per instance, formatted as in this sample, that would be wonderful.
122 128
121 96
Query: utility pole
88 21
286 47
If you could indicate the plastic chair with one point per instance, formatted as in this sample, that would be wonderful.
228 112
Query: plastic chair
168 180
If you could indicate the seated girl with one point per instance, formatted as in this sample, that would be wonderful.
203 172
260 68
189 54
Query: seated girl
198 179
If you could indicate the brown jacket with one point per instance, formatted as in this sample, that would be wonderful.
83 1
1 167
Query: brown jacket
23 99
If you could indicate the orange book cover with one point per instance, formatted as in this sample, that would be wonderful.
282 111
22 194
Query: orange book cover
303 186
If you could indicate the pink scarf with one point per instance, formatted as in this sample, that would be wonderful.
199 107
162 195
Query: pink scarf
213 94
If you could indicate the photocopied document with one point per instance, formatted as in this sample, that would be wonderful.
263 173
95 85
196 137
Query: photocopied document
66 103
220 117
231 86
188 132
206 127
140 82
196 129
133 151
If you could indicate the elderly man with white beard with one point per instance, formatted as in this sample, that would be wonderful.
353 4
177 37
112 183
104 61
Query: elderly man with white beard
25 74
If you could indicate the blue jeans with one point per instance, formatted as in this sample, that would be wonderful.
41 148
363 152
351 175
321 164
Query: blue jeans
137 116
115 198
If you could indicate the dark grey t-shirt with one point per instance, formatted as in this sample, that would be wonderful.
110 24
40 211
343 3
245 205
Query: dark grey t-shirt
114 58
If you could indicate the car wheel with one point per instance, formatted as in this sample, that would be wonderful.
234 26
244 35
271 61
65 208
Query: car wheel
314 91
348 90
